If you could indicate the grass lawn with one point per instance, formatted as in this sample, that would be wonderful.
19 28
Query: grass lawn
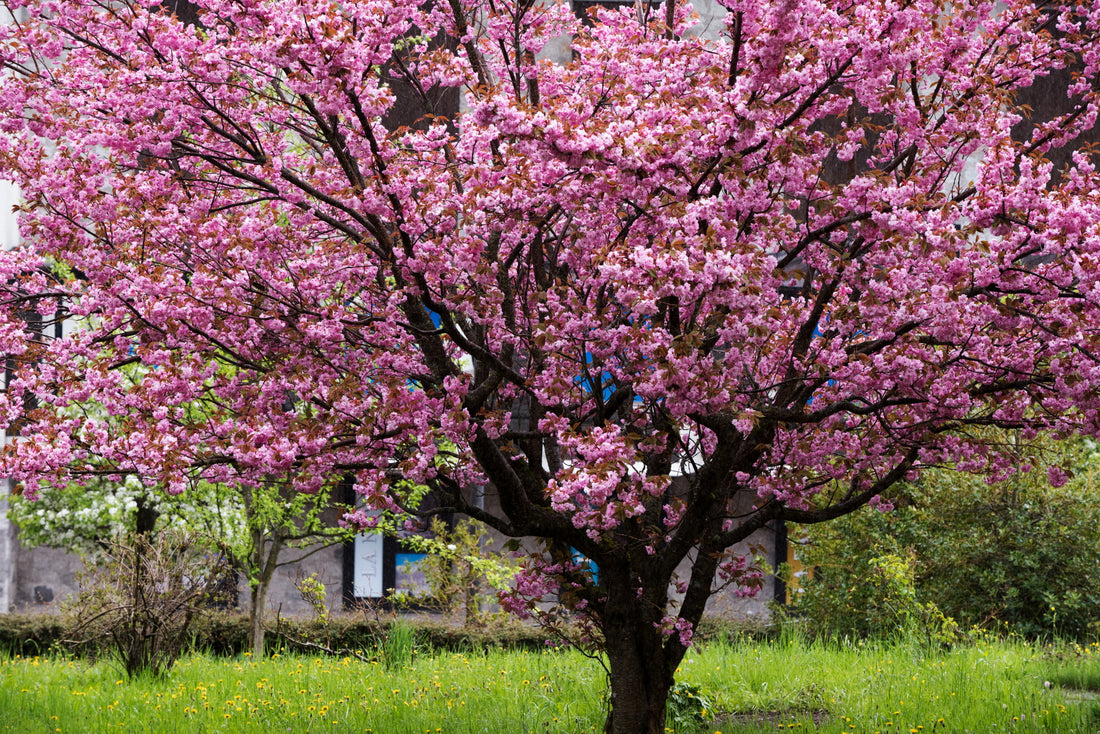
750 687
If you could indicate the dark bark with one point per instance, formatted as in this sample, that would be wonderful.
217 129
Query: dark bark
146 519
640 669
642 659
185 10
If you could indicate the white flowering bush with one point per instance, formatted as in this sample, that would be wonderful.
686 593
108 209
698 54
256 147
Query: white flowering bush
83 518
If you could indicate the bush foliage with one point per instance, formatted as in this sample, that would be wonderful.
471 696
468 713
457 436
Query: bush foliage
137 603
1019 555
30 634
226 634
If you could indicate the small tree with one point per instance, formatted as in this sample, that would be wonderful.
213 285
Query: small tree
250 529
461 570
85 518
277 520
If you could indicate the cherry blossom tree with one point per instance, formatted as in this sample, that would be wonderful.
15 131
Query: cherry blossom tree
653 296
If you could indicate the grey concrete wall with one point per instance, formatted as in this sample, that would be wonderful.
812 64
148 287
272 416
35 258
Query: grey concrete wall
285 600
7 552
38 579
43 578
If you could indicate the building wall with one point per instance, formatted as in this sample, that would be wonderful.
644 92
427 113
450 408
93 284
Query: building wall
34 580
39 579
7 552
285 600
44 577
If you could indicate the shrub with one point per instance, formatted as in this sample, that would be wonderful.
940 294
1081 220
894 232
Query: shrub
688 708
30 634
1019 555
873 596
220 633
461 571
225 634
138 599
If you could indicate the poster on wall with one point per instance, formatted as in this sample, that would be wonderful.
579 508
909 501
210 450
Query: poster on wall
367 577
376 565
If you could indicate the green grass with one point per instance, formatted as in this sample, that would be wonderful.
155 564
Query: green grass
755 687
494 692
995 687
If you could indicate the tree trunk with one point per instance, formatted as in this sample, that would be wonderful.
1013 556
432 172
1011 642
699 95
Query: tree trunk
134 629
145 520
641 666
257 603
639 691
141 640
265 559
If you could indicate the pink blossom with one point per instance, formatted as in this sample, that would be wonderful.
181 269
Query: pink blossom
651 298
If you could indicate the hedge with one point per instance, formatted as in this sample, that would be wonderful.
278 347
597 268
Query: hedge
226 634
30 634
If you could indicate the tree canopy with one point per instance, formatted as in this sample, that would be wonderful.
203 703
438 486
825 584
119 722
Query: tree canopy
653 296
